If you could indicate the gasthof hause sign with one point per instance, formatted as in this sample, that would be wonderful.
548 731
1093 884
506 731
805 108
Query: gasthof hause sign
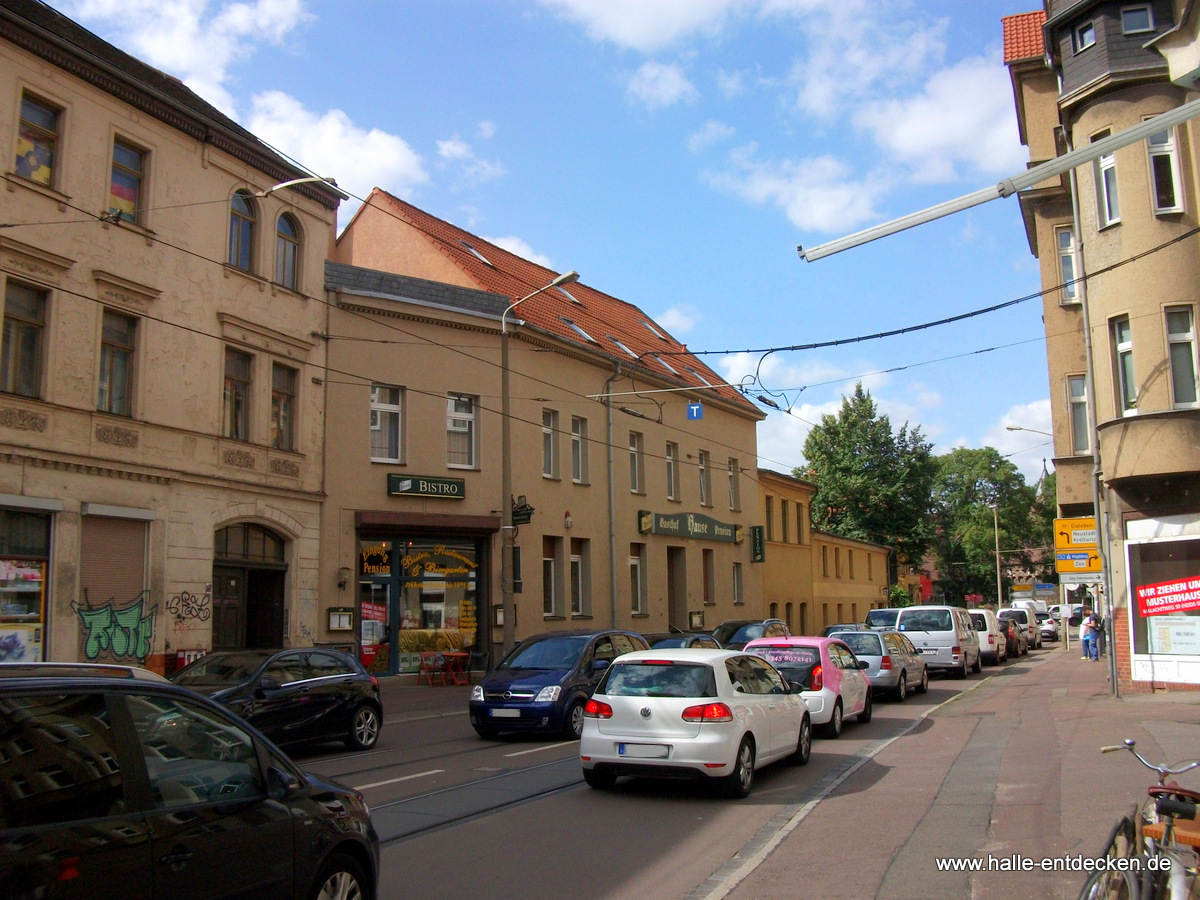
1165 597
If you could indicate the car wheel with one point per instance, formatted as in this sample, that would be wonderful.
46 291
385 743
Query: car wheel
865 716
737 783
961 672
341 878
600 779
901 693
924 684
978 667
803 743
833 728
573 722
364 728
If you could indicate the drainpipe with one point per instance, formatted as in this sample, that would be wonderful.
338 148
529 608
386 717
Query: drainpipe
612 498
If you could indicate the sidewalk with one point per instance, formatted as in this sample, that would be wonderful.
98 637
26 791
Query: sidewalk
1010 769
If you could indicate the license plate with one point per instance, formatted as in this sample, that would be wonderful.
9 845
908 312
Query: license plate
504 713
929 651
642 751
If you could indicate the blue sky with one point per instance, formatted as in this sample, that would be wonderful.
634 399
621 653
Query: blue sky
675 153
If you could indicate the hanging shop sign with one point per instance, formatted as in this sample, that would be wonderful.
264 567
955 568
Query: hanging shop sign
426 486
689 525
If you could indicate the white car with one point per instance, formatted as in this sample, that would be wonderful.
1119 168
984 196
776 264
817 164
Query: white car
692 713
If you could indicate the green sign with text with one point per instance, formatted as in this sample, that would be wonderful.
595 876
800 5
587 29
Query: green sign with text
689 525
426 486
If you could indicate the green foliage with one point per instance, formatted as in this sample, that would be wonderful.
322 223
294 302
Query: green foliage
898 597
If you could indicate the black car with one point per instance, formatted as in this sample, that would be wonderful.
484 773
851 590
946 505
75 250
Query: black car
293 696
117 785
734 634
681 639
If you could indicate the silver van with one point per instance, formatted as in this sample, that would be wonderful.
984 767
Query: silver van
945 635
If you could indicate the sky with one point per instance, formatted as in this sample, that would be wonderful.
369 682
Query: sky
676 153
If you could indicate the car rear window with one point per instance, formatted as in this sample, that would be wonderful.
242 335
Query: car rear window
980 621
924 620
659 679
877 618
863 643
789 657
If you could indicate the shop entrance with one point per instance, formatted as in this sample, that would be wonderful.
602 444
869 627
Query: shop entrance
248 588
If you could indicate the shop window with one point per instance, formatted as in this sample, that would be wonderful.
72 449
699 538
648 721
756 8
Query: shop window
738 591
708 564
1164 589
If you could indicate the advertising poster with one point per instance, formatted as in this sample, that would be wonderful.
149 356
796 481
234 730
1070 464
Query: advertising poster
1166 597
20 643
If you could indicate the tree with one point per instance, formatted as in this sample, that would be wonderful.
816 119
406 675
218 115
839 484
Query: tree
872 484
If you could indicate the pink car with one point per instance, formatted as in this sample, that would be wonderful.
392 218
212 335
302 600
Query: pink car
835 685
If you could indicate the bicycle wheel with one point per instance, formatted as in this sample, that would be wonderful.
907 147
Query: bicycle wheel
1106 885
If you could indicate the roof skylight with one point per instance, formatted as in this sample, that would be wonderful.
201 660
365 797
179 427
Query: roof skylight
703 380
579 331
622 346
479 256
666 365
569 295
658 334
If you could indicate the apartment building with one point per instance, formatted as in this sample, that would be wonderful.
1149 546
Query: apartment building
161 392
1120 267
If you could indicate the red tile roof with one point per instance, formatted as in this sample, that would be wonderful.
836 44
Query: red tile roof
1023 36
599 315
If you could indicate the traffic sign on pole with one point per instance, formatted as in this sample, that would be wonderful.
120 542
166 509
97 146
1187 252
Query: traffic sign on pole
1075 534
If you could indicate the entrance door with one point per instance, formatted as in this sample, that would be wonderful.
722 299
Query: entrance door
677 587
248 588
229 608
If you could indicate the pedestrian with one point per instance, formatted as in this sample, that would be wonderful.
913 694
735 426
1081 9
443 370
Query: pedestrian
1087 633
1096 624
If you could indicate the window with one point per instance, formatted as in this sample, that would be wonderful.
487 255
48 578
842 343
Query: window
37 141
709 567
241 231
824 561
1108 209
837 569
636 463
770 518
460 431
1065 239
673 471
580 578
637 579
125 187
1085 36
579 448
235 403
737 584
287 252
116 364
387 406
1122 339
549 443
283 407
1164 172
1136 19
578 330
735 497
1081 433
622 346
549 581
870 567
800 523
24 326
1182 348
705 480
850 568
784 524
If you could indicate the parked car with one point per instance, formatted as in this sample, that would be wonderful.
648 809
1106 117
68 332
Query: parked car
692 713
682 639
1016 640
945 635
1027 620
293 696
835 681
1048 625
544 682
993 646
894 664
882 618
733 634
833 629
125 785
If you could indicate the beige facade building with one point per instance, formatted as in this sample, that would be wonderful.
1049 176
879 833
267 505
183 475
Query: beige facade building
631 467
162 394
1120 267
812 579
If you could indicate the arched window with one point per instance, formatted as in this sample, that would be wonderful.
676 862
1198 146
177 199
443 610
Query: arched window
241 231
287 251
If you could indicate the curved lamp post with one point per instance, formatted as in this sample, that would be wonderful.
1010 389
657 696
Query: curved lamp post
506 522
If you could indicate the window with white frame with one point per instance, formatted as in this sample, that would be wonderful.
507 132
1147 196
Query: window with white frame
637 579
737 584
460 431
637 484
551 548
1164 172
1085 36
1081 432
579 450
673 471
1136 19
1122 339
549 443
704 470
1065 240
1108 209
735 494
1181 343
581 604
387 409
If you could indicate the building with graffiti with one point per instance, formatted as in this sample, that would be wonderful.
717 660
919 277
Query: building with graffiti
162 395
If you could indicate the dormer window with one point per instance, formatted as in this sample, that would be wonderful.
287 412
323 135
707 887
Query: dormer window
579 331
1085 36
1136 19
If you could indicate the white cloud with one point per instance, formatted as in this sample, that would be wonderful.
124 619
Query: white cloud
647 27
711 132
486 129
522 249
454 148
470 170
730 84
679 319
656 85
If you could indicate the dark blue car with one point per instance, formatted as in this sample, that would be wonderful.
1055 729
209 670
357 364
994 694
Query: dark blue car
543 684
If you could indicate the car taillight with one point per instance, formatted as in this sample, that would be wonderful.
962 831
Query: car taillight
818 678
597 709
374 680
885 663
956 650
991 638
708 712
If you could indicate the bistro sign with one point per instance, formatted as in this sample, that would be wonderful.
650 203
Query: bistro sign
689 525
426 486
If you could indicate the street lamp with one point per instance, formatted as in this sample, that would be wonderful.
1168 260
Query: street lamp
1023 428
999 584
506 522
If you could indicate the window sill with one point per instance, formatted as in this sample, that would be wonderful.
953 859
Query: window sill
640 615
388 462
550 477
581 483
15 181
133 227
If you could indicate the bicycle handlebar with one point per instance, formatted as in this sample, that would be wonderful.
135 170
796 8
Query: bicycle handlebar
1163 770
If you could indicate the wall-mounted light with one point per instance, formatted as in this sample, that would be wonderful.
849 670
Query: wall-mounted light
344 574
567 520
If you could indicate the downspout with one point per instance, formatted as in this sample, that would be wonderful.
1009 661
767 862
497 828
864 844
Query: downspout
612 498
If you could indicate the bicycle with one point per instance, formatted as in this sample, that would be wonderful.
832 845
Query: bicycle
1166 852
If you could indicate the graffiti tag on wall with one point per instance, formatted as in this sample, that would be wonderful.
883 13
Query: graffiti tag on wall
186 605
126 632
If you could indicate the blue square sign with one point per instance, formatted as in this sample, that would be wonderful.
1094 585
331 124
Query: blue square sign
695 411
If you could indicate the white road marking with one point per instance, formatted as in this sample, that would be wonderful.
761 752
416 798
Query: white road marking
539 749
363 787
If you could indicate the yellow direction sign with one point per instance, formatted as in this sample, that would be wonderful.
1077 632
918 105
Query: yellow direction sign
1077 561
1072 534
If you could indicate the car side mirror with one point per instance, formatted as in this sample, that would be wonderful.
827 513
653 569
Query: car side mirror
599 665
795 687
281 784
